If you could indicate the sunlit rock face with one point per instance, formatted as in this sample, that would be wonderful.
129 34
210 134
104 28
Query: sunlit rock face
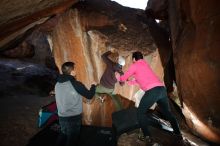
195 35
79 38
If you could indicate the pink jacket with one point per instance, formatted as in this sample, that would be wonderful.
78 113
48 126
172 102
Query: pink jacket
143 75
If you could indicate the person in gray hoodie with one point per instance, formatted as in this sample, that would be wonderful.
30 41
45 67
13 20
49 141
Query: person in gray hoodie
68 95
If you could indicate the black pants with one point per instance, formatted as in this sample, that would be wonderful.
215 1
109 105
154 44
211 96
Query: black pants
70 130
158 95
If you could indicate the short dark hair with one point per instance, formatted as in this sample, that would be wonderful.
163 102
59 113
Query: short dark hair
67 67
137 55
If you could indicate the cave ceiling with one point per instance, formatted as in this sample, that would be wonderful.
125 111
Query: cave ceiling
16 17
125 32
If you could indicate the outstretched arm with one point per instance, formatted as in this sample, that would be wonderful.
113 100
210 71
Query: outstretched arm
132 82
106 59
82 90
128 74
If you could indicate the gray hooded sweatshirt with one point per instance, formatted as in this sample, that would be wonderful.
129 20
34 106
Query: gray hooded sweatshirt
68 95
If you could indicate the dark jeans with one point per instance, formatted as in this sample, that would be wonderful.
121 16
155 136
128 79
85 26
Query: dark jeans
158 95
70 130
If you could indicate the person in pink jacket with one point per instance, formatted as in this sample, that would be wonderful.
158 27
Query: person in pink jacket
155 91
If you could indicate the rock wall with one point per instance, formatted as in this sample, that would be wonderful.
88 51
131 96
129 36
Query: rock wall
17 18
71 42
196 39
74 36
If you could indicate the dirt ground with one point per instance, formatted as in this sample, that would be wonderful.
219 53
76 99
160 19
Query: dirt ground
21 97
19 116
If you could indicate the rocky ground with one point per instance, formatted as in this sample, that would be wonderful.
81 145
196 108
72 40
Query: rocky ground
19 115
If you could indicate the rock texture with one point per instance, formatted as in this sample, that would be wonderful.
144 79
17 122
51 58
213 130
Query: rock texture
78 38
197 59
195 37
22 51
194 27
83 32
17 17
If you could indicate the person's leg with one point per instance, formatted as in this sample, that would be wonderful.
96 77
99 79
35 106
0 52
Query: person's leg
61 139
117 102
163 103
100 90
73 130
149 98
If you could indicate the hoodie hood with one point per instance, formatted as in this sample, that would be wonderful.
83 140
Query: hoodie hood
63 78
